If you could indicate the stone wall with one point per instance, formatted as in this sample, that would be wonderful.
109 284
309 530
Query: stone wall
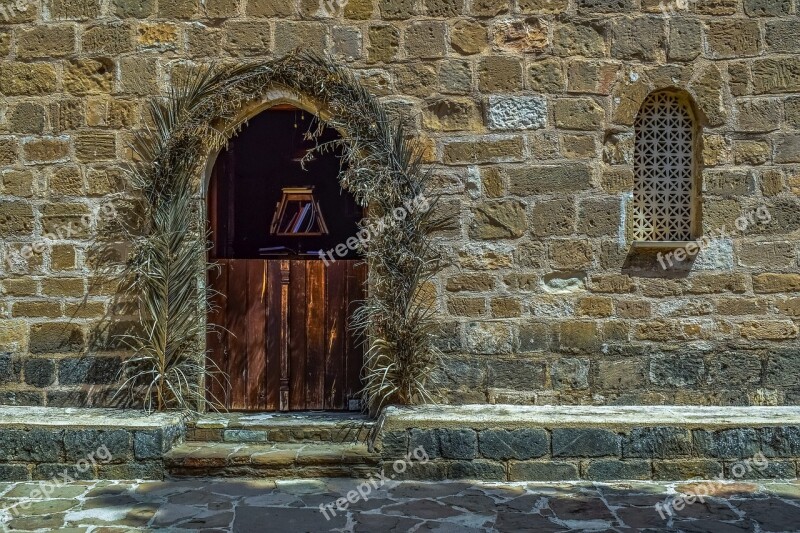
526 110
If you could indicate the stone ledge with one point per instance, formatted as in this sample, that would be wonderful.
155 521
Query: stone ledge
495 442
46 442
586 416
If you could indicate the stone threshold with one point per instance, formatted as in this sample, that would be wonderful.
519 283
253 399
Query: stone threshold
481 416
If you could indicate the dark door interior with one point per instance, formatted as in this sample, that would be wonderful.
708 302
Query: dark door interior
283 314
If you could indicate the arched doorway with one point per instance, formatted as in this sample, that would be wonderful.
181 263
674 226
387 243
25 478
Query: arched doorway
282 309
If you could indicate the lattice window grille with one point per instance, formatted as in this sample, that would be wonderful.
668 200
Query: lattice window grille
664 170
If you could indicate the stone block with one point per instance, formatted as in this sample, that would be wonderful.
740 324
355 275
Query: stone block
85 443
671 470
544 179
570 373
517 112
685 39
275 8
676 370
657 443
136 8
40 446
178 9
488 338
520 444
397 9
579 114
88 371
520 375
46 149
522 36
499 219
586 39
468 37
489 150
780 36
488 8
767 8
73 9
733 38
27 79
451 114
586 442
39 372
16 219
148 445
457 443
248 37
782 368
780 441
425 439
425 39
542 471
727 443
499 74
546 76
477 470
56 337
89 76
639 38
578 337
14 472
772 283
613 469
772 75
394 444
41 42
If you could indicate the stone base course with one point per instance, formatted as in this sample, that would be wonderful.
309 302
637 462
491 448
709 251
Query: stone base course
41 443
512 443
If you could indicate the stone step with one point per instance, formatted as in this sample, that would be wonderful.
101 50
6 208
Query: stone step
295 427
285 460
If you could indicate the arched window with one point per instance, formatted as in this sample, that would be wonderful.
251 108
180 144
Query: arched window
665 189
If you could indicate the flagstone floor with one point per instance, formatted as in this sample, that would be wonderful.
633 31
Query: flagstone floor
243 505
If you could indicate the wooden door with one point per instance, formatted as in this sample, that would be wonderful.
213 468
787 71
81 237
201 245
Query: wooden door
284 338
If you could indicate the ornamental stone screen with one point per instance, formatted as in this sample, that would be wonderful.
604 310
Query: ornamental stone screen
663 196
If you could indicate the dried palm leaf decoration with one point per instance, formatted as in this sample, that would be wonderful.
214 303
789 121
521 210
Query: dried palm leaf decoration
381 167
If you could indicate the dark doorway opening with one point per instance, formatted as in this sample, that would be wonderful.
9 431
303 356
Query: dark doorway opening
283 312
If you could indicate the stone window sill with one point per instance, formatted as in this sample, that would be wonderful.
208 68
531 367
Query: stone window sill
661 245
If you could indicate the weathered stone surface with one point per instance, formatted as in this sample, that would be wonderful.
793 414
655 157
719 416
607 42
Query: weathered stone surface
457 443
499 219
503 444
585 443
468 37
526 36
637 38
542 471
80 443
727 444
613 469
516 112
657 443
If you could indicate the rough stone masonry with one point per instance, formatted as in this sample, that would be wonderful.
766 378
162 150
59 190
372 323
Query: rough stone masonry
526 110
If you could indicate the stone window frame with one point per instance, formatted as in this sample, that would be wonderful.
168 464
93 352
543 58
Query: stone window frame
695 231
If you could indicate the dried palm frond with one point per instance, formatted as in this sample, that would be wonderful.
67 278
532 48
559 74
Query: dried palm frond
381 167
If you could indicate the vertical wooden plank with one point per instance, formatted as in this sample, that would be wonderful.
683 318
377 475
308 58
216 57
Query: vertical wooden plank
235 321
256 330
354 350
217 338
315 330
335 319
273 351
297 336
283 403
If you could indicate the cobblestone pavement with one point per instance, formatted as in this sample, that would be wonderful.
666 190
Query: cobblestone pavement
294 506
